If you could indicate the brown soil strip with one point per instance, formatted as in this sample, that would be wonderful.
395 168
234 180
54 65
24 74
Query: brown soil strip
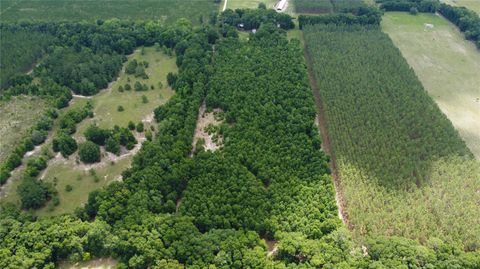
326 139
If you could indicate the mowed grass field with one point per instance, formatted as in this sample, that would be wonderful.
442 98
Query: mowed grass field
106 102
234 4
76 10
470 4
447 65
83 181
16 117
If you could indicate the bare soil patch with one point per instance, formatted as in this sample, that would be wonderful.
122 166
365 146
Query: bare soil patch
203 121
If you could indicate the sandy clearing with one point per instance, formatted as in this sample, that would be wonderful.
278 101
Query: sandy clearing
203 121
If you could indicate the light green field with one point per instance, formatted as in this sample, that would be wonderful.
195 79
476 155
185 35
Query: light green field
167 11
234 4
106 116
106 102
16 117
68 171
470 4
446 64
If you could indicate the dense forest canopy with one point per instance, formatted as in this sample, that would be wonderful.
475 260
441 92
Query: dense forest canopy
269 184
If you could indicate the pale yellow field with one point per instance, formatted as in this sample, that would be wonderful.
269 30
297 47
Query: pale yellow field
470 4
447 65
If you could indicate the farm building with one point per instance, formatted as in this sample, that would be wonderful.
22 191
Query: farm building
281 5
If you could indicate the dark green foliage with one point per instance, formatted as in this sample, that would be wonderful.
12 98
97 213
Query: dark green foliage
139 127
68 188
38 137
96 134
348 5
34 193
128 87
173 210
313 6
84 71
89 152
467 21
35 165
144 99
67 238
254 18
362 15
120 109
19 51
429 6
171 79
64 144
113 145
131 125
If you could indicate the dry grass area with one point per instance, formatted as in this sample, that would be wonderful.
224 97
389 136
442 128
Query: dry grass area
16 117
470 4
446 64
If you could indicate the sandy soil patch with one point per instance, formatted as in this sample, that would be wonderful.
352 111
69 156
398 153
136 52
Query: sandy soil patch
203 121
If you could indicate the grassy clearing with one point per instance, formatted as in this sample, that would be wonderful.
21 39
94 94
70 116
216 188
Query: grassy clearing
106 116
67 172
470 4
106 102
16 117
447 65
167 11
234 4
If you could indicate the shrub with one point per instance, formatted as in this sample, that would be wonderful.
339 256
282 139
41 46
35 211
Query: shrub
131 125
120 109
128 87
96 134
38 137
68 188
413 10
140 127
34 193
144 99
89 152
112 145
64 144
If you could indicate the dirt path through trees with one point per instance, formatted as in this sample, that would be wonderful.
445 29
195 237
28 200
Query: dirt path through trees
326 146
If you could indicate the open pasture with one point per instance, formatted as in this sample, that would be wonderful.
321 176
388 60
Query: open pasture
106 103
167 11
106 115
470 4
234 4
446 64
403 168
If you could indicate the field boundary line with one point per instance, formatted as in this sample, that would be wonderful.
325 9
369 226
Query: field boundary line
326 146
